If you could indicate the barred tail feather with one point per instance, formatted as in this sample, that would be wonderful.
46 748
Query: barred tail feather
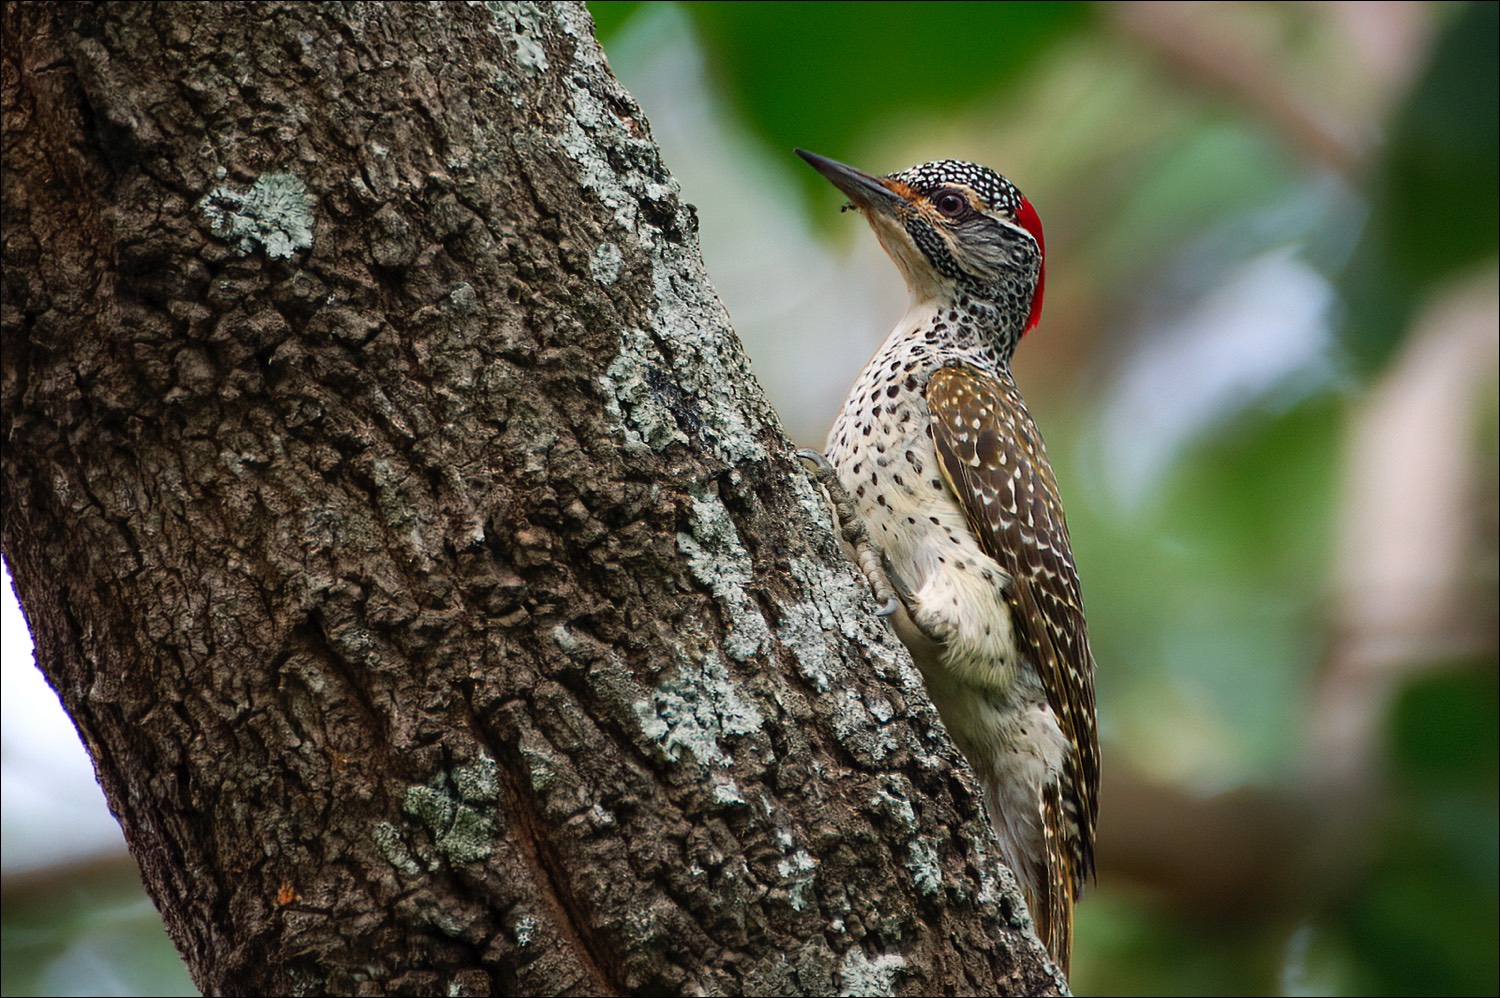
1055 926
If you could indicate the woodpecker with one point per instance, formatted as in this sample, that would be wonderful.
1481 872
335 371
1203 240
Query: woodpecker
948 478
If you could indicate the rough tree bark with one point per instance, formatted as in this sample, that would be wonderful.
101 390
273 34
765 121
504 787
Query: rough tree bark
399 522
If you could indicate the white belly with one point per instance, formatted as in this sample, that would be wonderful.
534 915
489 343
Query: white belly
892 475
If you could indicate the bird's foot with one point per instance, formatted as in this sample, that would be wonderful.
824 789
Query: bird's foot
890 592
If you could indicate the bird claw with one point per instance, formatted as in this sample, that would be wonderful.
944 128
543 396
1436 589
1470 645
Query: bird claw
817 459
870 559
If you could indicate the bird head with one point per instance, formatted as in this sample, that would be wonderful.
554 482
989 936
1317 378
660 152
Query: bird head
954 229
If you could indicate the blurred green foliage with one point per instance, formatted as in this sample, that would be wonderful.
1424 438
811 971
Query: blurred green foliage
1425 921
89 930
1436 197
1187 638
834 72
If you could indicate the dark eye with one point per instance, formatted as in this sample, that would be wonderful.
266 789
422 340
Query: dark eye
950 204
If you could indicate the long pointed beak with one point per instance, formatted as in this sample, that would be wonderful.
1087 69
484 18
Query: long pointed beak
864 190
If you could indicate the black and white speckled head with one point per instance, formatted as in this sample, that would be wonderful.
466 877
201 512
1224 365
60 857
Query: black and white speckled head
955 229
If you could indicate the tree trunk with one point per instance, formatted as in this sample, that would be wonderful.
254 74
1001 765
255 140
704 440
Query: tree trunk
399 522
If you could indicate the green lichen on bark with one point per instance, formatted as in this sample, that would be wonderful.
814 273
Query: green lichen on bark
276 213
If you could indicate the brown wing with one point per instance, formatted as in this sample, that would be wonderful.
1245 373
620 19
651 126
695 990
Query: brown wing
992 458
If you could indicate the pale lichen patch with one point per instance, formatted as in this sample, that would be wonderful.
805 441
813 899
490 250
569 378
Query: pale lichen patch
538 764
726 792
523 930
388 839
688 357
861 975
605 263
276 213
632 399
462 832
519 24
477 782
858 729
718 560
896 805
922 863
838 602
463 300
690 714
797 869
995 878
802 633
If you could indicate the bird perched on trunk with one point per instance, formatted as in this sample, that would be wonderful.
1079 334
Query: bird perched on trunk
947 477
